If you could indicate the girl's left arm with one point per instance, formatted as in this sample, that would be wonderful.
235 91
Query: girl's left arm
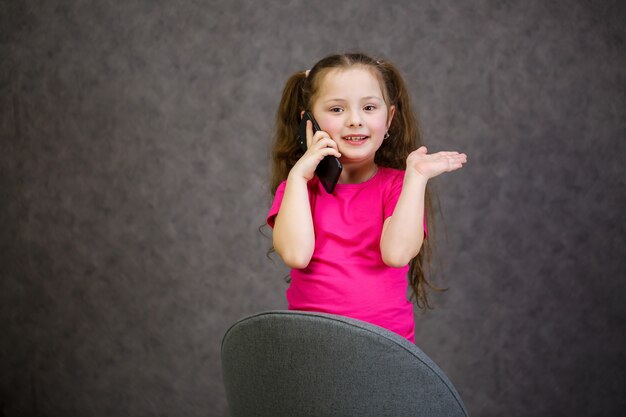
403 232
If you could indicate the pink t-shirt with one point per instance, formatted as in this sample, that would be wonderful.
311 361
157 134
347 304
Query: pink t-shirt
346 275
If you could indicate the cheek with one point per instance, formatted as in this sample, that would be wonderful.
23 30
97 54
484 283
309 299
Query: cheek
380 124
329 124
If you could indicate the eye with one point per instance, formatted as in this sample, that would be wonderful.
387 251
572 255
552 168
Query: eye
335 109
369 107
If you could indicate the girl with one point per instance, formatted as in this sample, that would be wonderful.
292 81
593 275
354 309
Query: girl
350 251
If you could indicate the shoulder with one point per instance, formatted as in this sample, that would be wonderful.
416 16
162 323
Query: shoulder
391 181
391 175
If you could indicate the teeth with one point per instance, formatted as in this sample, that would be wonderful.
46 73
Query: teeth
354 138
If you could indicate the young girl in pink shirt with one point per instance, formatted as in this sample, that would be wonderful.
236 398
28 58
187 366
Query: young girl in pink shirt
350 251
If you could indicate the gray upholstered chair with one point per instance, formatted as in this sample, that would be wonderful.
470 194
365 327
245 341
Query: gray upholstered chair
297 364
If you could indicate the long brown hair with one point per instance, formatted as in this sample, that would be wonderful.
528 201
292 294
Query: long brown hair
404 137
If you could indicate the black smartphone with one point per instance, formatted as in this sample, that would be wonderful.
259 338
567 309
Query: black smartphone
329 169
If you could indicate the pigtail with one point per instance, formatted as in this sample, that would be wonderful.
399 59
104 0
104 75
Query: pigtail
421 265
404 132
285 150
404 137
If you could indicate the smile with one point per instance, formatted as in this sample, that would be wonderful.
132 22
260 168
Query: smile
356 138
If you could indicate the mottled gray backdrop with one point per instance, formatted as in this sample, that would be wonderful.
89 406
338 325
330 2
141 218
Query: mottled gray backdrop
134 171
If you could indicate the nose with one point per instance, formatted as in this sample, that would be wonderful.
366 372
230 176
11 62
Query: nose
355 120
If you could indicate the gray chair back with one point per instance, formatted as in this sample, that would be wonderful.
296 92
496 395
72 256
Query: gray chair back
301 364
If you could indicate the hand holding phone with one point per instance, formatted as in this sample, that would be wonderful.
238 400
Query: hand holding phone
329 169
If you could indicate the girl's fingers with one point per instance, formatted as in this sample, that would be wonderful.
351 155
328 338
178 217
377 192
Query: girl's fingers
323 146
325 142
330 151
320 153
458 162
319 135
445 153
312 138
309 133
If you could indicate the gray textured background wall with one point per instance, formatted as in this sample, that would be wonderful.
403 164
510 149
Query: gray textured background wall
133 177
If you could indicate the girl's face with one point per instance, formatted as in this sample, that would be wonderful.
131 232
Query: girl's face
349 106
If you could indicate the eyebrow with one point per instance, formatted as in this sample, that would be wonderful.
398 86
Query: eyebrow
362 98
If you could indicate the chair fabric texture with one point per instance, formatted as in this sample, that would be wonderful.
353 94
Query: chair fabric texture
301 364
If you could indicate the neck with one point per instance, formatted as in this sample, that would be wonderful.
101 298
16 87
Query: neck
357 173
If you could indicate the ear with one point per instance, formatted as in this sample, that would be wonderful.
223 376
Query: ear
392 112
301 114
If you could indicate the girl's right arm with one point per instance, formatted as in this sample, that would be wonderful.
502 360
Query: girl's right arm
293 235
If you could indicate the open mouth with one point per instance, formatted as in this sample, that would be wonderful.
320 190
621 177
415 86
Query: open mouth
356 138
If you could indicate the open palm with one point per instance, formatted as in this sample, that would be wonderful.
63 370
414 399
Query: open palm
431 165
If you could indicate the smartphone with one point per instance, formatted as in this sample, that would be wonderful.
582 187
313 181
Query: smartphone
329 169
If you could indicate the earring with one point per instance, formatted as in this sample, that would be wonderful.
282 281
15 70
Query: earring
386 135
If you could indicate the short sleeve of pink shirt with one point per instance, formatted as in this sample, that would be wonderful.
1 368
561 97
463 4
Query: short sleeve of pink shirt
346 274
